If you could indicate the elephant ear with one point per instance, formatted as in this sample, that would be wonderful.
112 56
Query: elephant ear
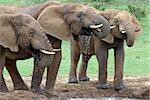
138 28
109 39
7 33
51 19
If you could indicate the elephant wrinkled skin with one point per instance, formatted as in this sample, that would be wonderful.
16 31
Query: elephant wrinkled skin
19 84
20 31
62 22
124 26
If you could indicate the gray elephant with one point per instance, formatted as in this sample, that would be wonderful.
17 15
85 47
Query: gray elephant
20 31
64 22
124 26
44 61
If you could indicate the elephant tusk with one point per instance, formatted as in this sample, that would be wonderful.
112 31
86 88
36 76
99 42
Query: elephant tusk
123 32
112 27
95 26
47 52
56 50
98 29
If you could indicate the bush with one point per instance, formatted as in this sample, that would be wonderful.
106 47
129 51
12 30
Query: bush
106 1
38 1
31 2
137 11
100 5
98 1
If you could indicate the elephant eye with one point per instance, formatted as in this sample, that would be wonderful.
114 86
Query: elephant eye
32 33
80 15
137 30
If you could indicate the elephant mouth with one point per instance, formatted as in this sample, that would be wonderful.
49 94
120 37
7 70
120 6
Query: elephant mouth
46 52
97 31
85 31
91 29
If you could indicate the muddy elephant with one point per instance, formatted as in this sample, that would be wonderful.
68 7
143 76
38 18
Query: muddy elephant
21 31
64 22
124 26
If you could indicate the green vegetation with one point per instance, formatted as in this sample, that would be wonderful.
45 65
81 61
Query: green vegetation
8 1
137 60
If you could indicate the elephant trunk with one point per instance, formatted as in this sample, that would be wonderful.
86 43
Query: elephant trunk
130 39
47 47
105 28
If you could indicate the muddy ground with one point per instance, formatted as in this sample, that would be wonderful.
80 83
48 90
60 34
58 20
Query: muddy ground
137 88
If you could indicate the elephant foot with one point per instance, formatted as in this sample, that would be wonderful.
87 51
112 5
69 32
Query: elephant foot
38 91
49 93
84 78
21 87
4 89
73 80
119 86
102 86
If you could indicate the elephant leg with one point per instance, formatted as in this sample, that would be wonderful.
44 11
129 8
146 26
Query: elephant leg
3 87
83 68
15 76
52 70
38 72
119 61
102 56
75 55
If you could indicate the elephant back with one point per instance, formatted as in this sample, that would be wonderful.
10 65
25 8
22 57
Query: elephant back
7 9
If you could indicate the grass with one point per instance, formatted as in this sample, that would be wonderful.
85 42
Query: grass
9 2
137 59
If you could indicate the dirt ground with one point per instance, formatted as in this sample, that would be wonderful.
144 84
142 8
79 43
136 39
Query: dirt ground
137 89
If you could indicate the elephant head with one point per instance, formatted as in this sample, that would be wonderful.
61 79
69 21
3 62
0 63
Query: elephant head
70 20
124 26
20 30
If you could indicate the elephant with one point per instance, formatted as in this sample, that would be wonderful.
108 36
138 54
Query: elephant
124 27
45 61
61 22
21 31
